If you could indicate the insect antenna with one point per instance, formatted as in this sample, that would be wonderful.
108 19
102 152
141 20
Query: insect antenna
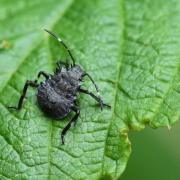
62 42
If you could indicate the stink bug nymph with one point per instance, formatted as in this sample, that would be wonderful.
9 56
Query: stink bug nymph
56 96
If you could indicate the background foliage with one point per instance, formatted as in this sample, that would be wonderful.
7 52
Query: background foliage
132 50
155 155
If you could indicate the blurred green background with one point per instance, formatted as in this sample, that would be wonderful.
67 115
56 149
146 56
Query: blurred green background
155 155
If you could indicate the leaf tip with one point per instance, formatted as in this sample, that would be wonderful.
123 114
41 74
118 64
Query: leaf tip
169 127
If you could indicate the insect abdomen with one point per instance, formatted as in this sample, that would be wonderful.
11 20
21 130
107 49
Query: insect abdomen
52 103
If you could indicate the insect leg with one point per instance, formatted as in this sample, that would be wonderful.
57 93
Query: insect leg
59 63
43 74
73 120
97 98
27 84
86 74
65 46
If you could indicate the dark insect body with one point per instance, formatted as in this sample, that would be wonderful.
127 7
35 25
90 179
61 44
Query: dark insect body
56 96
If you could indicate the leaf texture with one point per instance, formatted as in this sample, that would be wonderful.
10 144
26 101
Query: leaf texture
131 48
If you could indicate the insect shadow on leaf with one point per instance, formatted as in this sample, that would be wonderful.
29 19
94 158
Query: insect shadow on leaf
56 96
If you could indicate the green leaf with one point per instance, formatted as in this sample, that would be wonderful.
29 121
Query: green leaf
131 48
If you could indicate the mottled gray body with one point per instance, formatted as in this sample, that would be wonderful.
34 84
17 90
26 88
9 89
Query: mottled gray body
57 94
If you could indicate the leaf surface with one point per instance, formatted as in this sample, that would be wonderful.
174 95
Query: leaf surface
131 48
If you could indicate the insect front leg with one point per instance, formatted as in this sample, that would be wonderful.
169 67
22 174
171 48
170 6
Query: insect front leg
27 84
86 74
59 65
68 126
97 98
42 73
